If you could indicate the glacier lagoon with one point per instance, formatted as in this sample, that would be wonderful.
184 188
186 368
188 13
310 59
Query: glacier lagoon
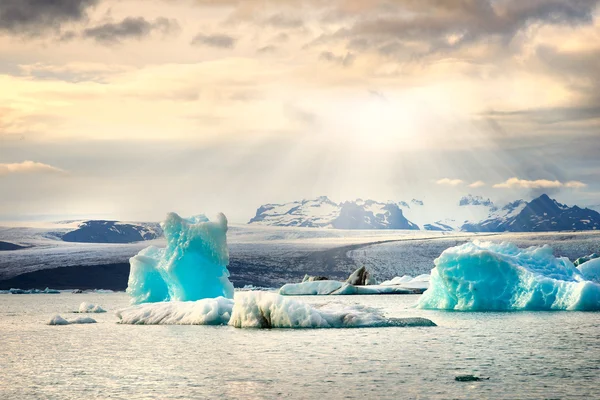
525 354
386 363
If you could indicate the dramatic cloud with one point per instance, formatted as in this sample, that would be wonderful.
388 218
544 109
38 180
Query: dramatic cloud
215 40
28 167
477 184
449 182
128 28
36 16
516 183
422 27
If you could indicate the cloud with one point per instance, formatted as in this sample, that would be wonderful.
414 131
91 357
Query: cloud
267 49
345 60
130 27
27 167
449 182
215 40
423 27
477 184
284 21
35 16
516 183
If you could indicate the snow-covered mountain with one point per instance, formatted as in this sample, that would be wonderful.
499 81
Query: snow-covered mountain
451 217
470 213
100 231
322 212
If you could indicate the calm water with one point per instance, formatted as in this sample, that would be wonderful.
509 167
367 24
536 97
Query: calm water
525 354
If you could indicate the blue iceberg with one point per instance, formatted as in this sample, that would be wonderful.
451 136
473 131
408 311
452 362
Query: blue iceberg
485 276
193 266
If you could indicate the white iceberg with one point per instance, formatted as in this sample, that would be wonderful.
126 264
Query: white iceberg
480 276
193 266
58 320
261 310
201 312
270 310
86 307
321 288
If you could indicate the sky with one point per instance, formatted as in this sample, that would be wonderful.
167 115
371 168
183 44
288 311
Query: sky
128 109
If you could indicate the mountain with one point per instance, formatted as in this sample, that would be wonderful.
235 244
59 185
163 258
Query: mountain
469 214
451 217
100 231
542 214
371 215
497 220
322 212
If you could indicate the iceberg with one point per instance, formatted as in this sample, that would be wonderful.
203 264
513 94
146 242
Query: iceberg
58 320
261 310
270 310
324 288
90 308
590 270
193 265
202 312
359 282
481 276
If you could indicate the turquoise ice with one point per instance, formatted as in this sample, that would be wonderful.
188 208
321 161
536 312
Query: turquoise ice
193 265
480 276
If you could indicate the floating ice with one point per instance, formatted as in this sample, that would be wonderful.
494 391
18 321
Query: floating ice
270 310
202 312
30 291
320 288
193 266
58 320
90 308
260 310
488 276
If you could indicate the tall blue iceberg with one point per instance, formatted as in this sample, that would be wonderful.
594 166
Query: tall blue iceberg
482 276
193 266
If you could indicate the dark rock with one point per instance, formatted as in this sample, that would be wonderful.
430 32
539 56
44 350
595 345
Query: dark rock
469 378
585 259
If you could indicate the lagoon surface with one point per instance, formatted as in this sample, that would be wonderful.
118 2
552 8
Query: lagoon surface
524 354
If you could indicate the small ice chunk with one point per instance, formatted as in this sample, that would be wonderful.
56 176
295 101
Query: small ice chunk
86 307
82 320
58 320
311 288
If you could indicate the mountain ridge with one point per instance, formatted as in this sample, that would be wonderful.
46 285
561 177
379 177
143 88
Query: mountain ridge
539 215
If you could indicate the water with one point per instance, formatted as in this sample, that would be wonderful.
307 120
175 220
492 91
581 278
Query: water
525 355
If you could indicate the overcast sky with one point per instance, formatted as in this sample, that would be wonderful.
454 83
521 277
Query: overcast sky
129 109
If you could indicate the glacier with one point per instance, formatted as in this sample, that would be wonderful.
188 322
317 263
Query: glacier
261 310
486 276
193 265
